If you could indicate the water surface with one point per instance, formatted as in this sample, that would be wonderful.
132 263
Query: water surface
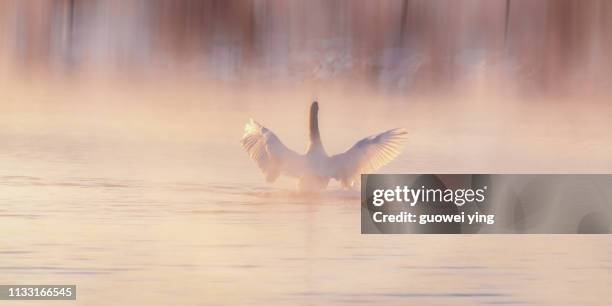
148 205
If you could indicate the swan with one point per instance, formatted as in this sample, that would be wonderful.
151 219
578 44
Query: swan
315 168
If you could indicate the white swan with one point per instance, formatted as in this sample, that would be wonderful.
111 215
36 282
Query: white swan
315 168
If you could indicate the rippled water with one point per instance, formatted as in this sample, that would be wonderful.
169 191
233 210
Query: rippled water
160 220
121 171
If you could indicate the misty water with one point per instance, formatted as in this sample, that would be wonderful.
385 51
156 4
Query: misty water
156 204
121 169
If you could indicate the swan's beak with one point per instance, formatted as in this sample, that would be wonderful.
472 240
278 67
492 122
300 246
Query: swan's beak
315 106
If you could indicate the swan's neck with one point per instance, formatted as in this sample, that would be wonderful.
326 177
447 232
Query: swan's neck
315 136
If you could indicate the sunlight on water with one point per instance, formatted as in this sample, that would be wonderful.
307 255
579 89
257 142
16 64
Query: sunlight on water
165 203
121 169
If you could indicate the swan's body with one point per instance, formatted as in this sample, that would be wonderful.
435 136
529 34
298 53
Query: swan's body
315 168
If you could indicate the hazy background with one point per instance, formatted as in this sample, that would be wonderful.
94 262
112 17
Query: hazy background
401 46
121 170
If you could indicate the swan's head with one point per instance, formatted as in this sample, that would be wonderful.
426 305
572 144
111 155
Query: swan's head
314 107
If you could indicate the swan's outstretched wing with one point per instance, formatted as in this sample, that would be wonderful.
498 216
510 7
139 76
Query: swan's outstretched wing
270 154
367 155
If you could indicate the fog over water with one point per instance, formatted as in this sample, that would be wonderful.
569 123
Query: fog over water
121 169
406 46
